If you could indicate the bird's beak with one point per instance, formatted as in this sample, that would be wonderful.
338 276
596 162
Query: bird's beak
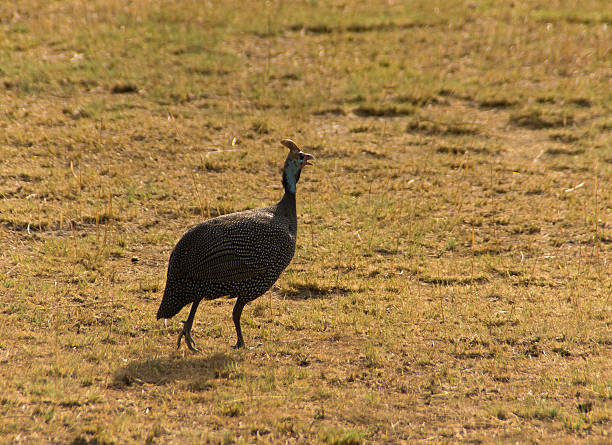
307 158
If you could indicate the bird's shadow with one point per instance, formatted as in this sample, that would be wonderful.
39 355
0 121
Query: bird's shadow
161 371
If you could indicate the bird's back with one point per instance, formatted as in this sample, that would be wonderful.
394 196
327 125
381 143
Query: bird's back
240 254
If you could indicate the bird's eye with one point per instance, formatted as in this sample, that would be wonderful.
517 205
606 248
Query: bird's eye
301 156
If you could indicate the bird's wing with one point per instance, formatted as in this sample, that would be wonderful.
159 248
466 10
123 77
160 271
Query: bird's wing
226 250
223 266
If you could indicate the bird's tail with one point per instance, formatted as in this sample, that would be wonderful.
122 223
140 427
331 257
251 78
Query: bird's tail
166 309
174 299
179 293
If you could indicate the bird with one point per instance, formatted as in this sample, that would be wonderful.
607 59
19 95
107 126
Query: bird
240 254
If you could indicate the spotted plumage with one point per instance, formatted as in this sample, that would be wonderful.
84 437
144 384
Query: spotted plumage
241 254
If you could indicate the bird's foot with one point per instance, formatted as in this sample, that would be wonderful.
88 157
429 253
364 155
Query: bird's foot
188 340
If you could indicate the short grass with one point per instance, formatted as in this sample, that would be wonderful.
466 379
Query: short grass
452 277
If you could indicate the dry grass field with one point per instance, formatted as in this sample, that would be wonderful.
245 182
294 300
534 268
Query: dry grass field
452 277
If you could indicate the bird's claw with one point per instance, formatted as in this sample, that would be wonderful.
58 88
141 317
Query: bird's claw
188 340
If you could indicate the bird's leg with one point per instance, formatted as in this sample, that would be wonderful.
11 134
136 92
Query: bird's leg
236 316
187 329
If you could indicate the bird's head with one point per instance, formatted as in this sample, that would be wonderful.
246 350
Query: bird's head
296 160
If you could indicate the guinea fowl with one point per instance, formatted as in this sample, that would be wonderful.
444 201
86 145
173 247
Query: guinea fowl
240 254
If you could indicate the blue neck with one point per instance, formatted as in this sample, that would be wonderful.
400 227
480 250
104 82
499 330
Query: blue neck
291 175
290 186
